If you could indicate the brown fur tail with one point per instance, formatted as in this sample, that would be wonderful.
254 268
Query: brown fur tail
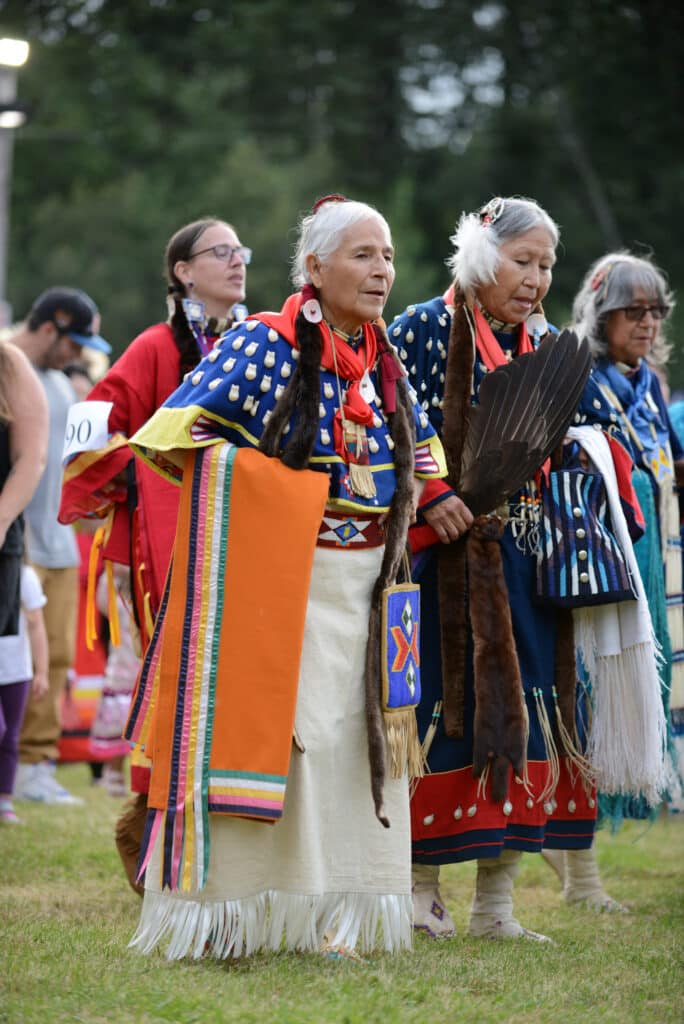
500 721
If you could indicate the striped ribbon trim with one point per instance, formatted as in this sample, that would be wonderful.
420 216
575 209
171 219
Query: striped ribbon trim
253 793
185 823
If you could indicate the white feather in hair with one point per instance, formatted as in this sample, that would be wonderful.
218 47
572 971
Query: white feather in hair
476 254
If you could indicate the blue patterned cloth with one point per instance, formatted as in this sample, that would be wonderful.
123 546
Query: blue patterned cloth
232 393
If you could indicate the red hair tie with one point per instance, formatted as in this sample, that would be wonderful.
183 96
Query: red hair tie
334 197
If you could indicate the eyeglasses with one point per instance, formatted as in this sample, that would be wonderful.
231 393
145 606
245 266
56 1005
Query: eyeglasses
637 313
225 253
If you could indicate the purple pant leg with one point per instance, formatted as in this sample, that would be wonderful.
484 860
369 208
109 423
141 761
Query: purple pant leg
13 697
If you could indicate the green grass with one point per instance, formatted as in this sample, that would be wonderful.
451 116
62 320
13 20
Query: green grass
67 914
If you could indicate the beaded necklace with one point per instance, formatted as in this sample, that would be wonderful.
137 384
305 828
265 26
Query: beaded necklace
354 437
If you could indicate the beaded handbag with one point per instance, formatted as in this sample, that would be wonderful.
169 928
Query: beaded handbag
580 561
400 673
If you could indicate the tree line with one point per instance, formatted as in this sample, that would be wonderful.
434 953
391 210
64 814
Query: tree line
147 113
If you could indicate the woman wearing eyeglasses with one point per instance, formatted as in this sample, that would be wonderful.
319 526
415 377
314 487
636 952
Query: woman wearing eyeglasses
205 268
622 308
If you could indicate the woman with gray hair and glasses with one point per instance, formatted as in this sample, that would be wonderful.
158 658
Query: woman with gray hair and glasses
622 309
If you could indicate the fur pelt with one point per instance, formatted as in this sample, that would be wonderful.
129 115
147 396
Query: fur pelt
499 735
403 432
128 836
452 557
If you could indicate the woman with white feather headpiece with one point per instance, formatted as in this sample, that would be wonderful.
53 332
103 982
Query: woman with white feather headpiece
499 710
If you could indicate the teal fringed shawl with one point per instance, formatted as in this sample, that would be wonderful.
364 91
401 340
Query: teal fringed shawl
614 809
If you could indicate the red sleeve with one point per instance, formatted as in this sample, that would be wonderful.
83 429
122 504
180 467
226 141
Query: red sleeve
136 385
433 492
622 461
421 535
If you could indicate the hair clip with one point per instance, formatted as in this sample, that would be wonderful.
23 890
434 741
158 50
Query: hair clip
491 211
334 197
600 277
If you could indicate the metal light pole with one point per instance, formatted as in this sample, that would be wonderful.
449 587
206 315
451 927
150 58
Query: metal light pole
13 54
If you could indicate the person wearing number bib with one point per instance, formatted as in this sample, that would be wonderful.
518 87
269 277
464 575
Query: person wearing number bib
61 323
205 266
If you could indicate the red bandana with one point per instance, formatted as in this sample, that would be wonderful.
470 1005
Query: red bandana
351 365
487 345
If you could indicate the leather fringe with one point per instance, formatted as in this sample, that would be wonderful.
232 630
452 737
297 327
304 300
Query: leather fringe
565 679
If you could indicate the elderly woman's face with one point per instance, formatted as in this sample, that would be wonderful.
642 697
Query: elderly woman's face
631 340
355 280
523 276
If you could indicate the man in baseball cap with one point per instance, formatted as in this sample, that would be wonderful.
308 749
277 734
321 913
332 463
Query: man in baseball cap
61 323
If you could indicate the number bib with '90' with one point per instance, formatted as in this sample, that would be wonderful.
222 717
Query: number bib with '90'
87 428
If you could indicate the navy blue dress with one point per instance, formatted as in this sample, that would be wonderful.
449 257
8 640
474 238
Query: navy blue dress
453 818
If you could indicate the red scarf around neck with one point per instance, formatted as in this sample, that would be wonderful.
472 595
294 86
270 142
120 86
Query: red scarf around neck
488 347
351 365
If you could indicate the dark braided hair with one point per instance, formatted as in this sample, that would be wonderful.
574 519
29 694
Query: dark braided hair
303 395
180 247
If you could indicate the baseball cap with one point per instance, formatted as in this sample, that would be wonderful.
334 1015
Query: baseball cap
73 313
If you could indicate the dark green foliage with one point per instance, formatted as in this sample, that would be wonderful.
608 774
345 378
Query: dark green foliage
148 113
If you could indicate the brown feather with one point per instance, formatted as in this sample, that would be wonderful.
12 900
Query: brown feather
523 411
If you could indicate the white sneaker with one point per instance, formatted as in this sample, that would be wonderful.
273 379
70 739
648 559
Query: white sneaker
36 782
30 784
60 795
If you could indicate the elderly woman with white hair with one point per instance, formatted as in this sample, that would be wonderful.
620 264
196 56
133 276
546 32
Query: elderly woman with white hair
279 794
492 314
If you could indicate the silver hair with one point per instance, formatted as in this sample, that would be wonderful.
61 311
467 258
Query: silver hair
321 233
610 284
478 237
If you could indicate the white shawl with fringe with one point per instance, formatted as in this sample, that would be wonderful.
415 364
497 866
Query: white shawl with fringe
627 743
